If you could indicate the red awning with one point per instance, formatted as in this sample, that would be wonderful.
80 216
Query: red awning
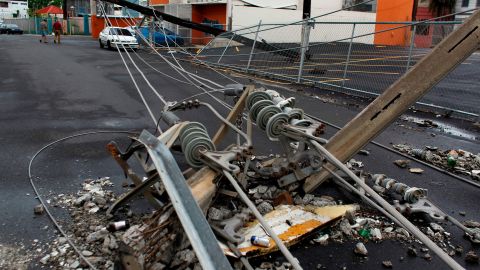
50 10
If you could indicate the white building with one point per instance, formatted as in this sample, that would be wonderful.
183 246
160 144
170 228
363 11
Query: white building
238 14
13 9
464 5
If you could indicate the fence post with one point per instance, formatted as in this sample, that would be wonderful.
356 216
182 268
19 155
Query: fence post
348 55
412 43
226 47
304 46
253 46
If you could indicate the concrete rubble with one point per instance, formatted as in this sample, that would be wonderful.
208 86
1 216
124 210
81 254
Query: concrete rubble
455 160
158 242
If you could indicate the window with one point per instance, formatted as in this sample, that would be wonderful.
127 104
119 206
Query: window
4 4
356 5
465 3
478 3
120 32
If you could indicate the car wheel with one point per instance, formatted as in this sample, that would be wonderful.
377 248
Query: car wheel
101 44
109 46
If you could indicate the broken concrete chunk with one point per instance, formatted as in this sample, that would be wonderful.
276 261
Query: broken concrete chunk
85 198
215 214
157 266
471 224
45 259
476 174
387 264
471 257
360 249
98 235
412 252
345 227
308 198
402 163
427 257
376 234
322 240
185 256
75 264
264 208
39 209
436 227
416 170
87 253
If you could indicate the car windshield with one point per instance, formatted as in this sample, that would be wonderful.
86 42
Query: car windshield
13 26
120 32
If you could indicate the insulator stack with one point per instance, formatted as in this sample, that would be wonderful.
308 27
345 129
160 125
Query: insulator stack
194 139
409 194
270 111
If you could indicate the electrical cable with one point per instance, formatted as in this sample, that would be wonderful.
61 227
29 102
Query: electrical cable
130 73
404 155
39 197
141 73
181 69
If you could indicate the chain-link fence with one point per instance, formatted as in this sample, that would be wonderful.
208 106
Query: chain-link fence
360 58
71 26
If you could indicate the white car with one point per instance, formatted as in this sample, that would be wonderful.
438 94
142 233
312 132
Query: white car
113 36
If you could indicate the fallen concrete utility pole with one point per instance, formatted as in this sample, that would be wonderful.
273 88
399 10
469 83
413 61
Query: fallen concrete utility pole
206 29
394 101
189 213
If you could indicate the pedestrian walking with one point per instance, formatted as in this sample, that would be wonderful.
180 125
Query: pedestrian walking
43 31
57 29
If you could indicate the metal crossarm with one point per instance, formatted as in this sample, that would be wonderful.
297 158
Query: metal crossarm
193 221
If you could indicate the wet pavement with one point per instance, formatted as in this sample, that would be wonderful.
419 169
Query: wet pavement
49 91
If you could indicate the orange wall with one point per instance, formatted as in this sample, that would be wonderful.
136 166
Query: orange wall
393 11
202 13
159 2
98 24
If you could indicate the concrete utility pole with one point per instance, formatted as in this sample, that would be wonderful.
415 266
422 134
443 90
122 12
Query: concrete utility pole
402 94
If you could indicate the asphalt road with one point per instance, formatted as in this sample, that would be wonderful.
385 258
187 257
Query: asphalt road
369 69
50 91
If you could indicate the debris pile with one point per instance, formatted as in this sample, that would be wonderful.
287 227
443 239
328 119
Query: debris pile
246 206
459 161
88 228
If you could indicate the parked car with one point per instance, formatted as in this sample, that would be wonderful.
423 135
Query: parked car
112 36
159 37
10 29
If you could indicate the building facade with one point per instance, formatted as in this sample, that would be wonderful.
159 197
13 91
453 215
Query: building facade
464 5
13 9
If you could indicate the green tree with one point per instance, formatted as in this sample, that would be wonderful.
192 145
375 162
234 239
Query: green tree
441 7
35 5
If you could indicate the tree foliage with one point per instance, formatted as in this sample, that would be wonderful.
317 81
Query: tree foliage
35 5
441 7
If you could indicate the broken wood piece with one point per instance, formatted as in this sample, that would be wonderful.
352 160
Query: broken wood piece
203 187
232 116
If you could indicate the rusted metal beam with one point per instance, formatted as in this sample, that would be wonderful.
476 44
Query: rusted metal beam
394 101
